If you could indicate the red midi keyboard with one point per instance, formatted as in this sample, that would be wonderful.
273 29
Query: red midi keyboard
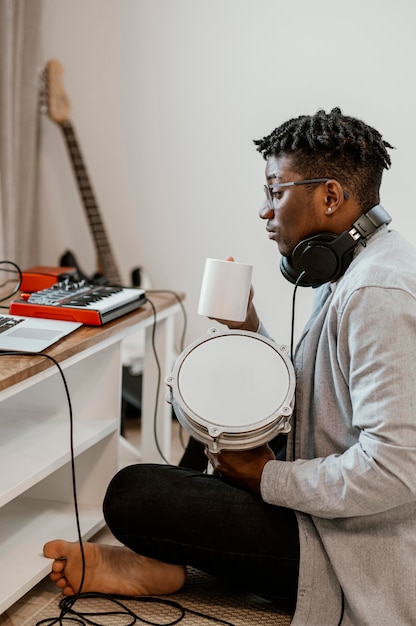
90 303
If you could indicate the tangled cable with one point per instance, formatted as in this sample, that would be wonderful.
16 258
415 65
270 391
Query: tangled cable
69 613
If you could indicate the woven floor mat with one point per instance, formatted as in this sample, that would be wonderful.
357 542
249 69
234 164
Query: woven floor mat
204 602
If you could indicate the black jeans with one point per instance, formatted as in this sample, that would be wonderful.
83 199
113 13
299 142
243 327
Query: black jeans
183 516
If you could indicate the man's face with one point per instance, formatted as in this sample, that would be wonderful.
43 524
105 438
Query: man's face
298 212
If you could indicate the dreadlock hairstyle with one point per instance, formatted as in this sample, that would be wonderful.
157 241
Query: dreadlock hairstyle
333 145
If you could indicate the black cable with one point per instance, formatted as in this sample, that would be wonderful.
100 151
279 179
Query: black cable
342 608
292 335
292 330
159 371
185 318
68 603
71 440
19 282
158 383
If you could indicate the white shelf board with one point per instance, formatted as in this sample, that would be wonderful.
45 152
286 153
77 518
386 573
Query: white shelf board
26 523
23 461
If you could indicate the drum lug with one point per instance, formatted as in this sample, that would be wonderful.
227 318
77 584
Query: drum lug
213 446
214 432
169 382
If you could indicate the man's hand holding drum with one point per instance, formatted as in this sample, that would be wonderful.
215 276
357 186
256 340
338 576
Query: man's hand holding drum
242 468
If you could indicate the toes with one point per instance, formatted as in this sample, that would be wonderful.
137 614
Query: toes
61 583
56 549
68 591
58 566
54 576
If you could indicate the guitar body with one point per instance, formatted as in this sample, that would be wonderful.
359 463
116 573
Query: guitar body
69 256
68 259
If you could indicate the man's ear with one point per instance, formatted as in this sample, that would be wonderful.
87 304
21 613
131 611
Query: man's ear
334 196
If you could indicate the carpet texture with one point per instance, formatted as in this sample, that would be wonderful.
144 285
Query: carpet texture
203 600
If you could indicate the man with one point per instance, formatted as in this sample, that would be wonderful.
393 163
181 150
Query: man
332 528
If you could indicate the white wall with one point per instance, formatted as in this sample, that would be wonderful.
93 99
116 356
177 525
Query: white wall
167 96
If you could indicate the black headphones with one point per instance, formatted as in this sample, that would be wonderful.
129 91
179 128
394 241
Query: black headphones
325 257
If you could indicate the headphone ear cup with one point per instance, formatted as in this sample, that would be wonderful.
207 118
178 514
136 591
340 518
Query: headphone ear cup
289 271
314 258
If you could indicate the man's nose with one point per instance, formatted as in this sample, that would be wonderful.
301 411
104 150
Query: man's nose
266 212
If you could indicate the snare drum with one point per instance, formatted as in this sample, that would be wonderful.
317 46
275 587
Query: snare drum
233 390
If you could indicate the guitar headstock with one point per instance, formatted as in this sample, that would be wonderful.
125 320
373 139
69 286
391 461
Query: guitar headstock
54 100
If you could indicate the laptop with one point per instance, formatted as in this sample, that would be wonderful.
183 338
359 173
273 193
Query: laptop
32 334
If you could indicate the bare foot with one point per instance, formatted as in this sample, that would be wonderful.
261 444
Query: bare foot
110 569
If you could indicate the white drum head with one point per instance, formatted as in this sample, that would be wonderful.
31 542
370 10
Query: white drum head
233 390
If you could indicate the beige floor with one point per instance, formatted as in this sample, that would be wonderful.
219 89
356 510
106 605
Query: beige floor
45 591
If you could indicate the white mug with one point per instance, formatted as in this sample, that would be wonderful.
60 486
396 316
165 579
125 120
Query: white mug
225 290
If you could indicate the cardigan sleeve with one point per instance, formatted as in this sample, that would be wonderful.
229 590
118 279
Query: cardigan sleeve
369 347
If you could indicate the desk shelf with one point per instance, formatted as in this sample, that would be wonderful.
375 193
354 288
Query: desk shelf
36 493
36 490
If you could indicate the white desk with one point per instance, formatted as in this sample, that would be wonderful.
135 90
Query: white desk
36 497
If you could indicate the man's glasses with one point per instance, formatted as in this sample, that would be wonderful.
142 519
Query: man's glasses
270 189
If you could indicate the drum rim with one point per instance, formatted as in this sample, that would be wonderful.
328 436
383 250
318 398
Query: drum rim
209 431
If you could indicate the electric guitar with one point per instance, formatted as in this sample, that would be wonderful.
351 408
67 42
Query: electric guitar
55 103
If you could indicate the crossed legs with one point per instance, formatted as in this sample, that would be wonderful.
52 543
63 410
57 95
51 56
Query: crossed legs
169 517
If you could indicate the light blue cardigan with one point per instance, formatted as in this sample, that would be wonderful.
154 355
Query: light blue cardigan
353 482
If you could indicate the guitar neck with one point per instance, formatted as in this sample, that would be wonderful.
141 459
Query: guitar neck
106 263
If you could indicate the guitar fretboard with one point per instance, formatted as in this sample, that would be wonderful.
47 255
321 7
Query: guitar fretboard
105 257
